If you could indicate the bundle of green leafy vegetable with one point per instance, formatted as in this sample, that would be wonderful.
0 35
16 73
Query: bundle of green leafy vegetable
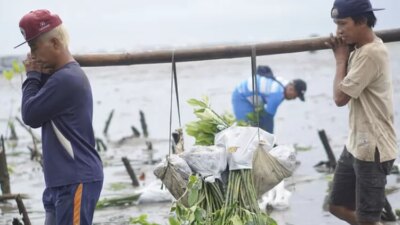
209 122
210 203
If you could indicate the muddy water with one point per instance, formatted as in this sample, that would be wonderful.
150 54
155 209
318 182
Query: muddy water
147 87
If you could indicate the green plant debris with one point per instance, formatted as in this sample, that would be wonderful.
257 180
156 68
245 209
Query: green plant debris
10 169
391 190
118 201
119 186
8 74
142 220
302 148
17 67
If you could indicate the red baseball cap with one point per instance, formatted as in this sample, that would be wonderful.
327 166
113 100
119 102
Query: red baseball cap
37 22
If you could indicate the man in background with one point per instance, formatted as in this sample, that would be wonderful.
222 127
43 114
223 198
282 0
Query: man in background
362 82
61 104
271 92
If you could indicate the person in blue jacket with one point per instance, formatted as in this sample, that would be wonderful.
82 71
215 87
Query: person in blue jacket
57 97
271 93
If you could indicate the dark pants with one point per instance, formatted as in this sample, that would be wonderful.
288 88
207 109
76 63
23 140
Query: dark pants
71 204
360 186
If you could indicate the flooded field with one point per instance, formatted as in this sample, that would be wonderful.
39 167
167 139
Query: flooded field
129 89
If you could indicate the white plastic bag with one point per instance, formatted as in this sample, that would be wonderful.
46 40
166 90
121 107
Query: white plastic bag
278 198
286 155
153 193
241 143
208 161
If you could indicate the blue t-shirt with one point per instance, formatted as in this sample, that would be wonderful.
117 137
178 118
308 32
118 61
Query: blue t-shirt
270 92
62 105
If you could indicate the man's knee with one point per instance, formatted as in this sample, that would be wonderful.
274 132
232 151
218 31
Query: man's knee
342 212
335 210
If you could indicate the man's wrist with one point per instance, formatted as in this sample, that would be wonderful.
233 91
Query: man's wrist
34 75
341 62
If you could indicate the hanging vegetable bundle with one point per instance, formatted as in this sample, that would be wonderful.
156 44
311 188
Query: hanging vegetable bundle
226 183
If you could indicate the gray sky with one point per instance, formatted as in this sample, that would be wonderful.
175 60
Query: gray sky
131 25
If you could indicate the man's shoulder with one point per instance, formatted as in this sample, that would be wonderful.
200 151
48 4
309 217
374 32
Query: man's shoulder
375 49
69 71
69 77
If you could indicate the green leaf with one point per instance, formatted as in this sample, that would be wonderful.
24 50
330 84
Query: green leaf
192 180
195 102
235 220
192 217
8 74
192 198
200 214
173 221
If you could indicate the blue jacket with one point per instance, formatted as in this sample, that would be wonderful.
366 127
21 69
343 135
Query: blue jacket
270 93
63 106
270 96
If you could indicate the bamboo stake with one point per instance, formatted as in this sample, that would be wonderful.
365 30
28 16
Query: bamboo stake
107 125
130 171
217 52
143 124
135 131
4 175
13 135
328 149
22 210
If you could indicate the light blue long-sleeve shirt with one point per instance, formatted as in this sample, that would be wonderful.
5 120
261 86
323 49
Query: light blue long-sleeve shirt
270 92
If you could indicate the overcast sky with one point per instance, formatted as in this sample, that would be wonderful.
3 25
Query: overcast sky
131 25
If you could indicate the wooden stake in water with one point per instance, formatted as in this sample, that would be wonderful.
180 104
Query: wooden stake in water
110 116
130 171
13 135
135 131
4 176
328 149
22 210
143 123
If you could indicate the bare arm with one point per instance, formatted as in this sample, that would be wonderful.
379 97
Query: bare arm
339 96
341 51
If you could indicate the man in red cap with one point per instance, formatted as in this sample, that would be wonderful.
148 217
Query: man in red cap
57 97
363 82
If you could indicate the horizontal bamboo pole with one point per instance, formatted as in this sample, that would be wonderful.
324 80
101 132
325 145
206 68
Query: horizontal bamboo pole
219 52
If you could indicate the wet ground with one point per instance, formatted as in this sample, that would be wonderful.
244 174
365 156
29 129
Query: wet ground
147 87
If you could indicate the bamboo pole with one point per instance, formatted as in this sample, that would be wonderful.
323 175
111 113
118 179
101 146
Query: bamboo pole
218 52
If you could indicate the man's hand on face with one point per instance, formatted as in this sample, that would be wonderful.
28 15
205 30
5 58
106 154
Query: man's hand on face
31 64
